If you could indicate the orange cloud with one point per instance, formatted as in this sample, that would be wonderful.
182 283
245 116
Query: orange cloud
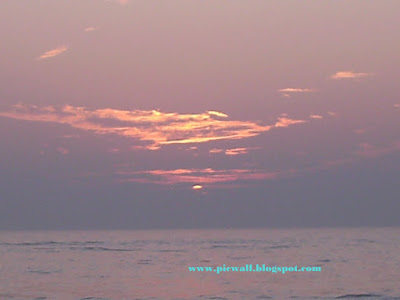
350 75
237 151
152 127
217 113
285 122
53 52
216 150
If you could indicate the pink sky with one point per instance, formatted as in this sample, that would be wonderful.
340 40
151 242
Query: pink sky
258 92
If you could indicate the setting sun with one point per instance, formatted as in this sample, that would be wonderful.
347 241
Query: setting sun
197 187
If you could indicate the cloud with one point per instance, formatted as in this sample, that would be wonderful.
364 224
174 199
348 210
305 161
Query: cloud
233 151
153 128
200 177
53 52
89 29
316 116
285 122
287 92
350 75
156 127
230 178
295 90
237 151
216 150
217 113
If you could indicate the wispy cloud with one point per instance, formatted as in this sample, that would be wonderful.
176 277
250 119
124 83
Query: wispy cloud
350 75
152 127
236 151
200 177
233 151
285 122
296 90
316 116
242 150
288 92
230 178
53 52
216 150
89 29
217 113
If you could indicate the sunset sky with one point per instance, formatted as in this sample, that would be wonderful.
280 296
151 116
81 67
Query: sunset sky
193 114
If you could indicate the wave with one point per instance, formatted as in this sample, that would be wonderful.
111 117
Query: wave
352 296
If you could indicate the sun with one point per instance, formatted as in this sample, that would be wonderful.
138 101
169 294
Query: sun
197 187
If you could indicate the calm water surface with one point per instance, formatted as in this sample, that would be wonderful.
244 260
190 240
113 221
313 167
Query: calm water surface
356 264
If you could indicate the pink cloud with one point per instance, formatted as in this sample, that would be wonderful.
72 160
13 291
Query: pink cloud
316 116
90 29
288 92
52 53
199 176
350 75
285 122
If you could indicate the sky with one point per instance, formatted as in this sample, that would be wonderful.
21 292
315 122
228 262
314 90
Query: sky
136 114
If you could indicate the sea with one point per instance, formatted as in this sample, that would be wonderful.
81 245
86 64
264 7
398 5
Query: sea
355 263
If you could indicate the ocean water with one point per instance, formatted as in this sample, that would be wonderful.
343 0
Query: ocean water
358 263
